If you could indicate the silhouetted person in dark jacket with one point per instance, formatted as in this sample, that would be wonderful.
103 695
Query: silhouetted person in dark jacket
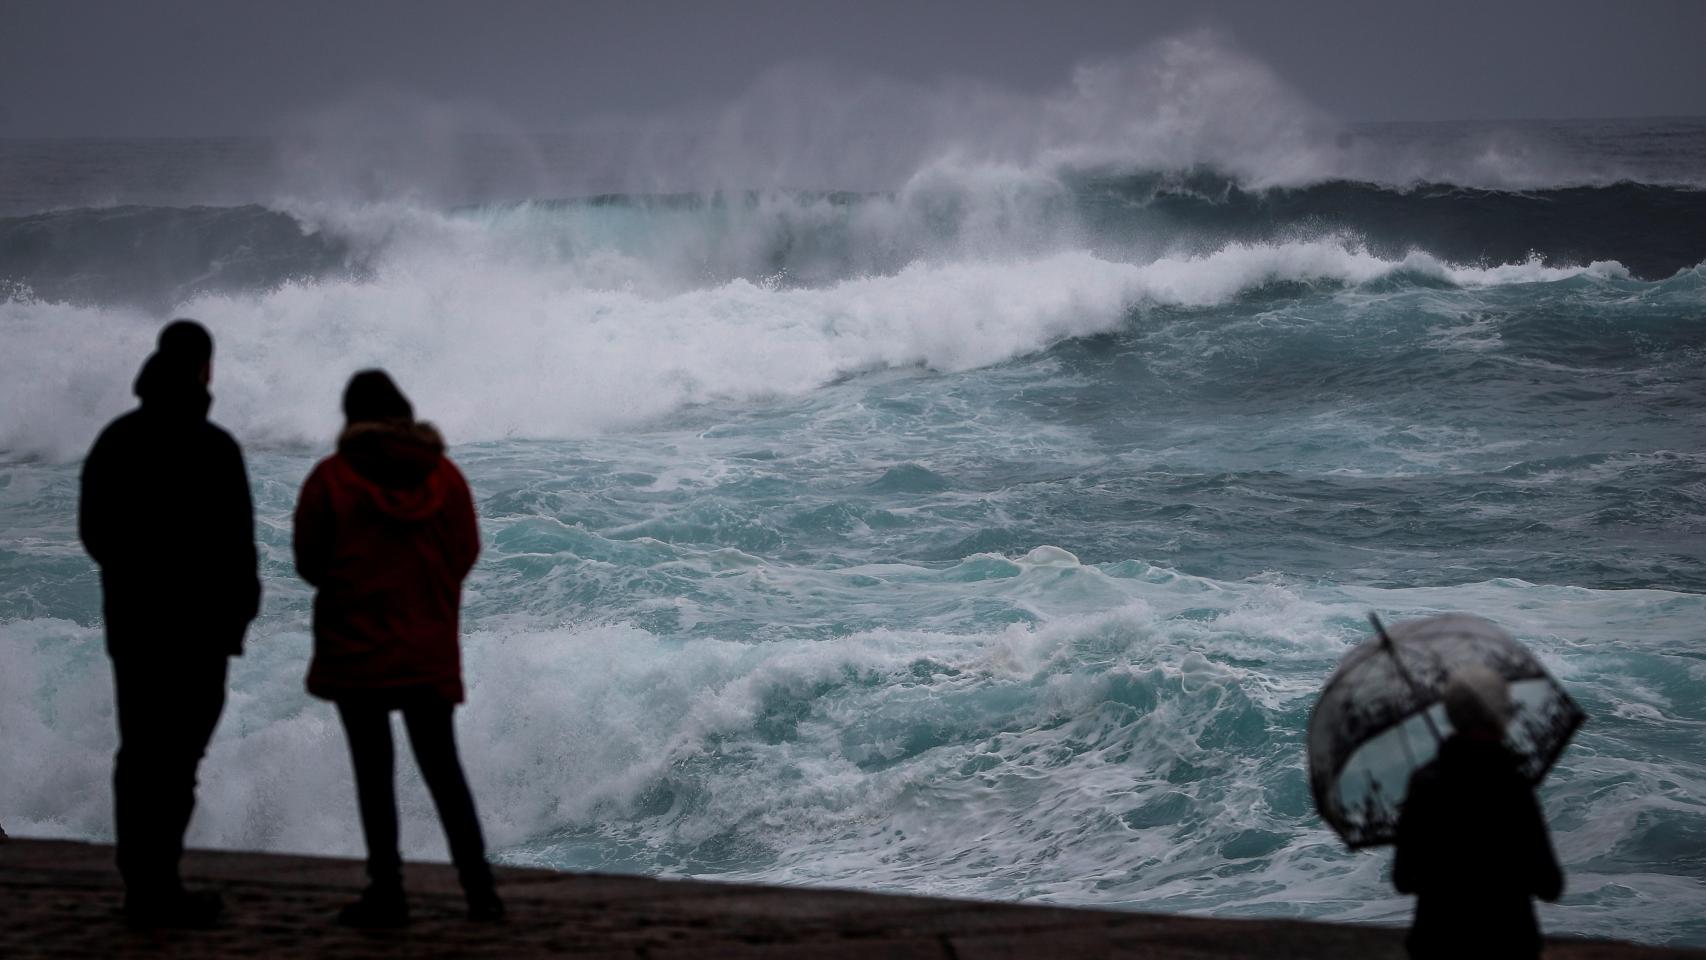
1472 843
165 512
385 529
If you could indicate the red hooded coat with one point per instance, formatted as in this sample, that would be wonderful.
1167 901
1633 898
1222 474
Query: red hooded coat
385 528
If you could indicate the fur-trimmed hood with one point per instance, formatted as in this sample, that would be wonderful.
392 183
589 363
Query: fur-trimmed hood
399 460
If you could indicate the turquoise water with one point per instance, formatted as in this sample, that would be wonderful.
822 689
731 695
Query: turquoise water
992 556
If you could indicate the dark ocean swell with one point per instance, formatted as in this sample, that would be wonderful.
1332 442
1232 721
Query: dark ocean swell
159 256
1652 230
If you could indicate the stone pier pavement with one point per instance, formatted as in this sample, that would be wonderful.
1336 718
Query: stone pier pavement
60 899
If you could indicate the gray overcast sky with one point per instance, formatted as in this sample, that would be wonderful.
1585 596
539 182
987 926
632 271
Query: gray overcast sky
171 67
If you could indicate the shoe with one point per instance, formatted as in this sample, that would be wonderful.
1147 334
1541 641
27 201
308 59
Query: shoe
181 908
378 909
485 907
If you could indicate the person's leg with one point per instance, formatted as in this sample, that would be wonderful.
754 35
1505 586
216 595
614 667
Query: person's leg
432 736
369 731
193 715
166 715
382 904
139 705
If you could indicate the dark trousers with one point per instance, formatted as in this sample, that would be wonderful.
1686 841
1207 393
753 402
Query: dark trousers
433 740
167 709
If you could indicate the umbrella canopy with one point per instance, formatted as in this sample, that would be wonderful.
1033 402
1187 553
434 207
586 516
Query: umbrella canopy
1379 717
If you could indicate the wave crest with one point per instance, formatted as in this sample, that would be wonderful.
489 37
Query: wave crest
498 349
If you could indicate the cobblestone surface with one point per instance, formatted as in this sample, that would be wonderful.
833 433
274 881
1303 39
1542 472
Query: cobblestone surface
61 899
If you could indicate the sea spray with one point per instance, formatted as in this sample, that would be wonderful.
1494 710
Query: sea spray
540 352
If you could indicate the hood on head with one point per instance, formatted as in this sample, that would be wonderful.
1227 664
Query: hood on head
399 461
395 454
167 382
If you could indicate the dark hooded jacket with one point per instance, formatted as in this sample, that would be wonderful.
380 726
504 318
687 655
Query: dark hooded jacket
1473 847
385 529
166 514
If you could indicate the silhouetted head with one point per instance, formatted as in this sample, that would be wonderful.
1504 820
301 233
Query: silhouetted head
189 346
371 395
1478 702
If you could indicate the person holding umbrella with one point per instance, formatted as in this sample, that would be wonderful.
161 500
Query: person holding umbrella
1472 843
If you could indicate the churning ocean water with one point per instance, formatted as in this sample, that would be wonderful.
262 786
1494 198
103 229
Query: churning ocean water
986 535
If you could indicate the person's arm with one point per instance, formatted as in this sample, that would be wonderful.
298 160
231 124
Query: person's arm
465 528
95 520
1546 878
1410 852
245 560
311 531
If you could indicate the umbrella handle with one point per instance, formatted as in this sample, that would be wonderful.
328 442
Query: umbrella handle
1403 671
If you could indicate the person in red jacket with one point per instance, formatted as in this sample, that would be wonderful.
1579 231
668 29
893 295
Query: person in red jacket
385 530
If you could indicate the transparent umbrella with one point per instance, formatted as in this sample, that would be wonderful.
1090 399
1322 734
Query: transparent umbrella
1379 717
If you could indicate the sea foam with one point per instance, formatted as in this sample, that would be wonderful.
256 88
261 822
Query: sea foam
497 349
